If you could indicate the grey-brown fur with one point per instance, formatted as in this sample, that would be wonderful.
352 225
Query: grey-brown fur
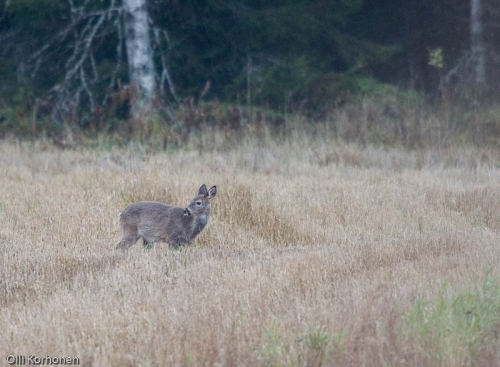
156 222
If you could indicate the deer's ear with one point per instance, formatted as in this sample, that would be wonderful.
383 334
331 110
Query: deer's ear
212 192
202 190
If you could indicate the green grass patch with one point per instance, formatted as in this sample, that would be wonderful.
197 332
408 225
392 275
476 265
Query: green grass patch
314 347
456 330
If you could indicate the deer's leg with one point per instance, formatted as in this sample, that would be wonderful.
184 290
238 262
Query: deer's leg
127 241
176 245
148 245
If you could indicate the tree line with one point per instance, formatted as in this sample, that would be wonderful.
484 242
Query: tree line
82 61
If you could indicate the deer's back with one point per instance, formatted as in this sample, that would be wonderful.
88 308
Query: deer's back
150 212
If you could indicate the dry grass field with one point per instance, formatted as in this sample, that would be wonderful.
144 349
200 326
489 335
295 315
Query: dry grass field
316 254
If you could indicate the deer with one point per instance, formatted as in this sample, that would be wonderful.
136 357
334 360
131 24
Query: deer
157 222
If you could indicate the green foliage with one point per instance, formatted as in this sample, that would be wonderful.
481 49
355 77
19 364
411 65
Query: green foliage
274 350
7 76
436 58
312 347
380 114
276 53
17 119
316 343
39 14
359 54
323 59
456 329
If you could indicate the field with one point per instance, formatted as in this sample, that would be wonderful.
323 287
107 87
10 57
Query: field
317 253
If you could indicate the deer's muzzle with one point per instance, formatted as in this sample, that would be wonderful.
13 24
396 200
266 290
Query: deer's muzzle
187 212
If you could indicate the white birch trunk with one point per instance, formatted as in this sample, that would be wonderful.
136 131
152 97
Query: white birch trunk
140 55
477 45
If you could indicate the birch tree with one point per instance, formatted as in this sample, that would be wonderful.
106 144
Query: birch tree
139 55
102 41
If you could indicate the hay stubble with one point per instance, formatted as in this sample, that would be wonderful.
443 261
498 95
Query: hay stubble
302 263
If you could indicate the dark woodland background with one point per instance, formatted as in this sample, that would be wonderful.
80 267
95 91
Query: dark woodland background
391 72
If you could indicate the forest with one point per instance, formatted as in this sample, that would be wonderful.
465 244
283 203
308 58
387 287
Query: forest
384 72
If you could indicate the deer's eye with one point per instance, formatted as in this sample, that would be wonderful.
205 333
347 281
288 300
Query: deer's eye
198 203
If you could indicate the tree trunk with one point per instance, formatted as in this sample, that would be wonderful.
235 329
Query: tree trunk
477 45
140 56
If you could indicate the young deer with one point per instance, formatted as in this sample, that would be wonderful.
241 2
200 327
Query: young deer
157 222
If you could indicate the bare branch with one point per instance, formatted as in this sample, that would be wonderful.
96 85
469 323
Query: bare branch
78 10
80 40
59 37
87 89
165 73
94 68
87 43
80 43
80 67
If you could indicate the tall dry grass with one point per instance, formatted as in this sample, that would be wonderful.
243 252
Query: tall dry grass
316 254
